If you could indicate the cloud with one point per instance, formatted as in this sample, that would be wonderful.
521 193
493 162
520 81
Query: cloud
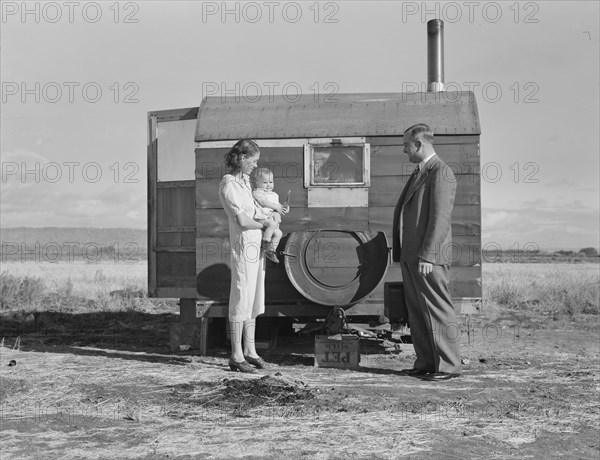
537 203
74 205
562 183
542 204
24 132
491 219
565 225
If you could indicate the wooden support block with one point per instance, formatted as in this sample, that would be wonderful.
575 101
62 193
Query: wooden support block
192 311
184 334
395 308
187 310
343 353
192 328
193 334
274 335
203 336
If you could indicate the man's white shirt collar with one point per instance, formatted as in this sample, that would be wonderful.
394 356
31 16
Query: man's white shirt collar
424 162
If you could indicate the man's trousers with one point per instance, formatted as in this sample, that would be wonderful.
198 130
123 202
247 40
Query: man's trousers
434 330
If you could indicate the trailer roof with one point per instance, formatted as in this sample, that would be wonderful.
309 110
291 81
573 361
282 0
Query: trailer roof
371 114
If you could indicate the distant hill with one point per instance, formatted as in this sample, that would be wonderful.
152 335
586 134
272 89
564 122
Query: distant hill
63 244
88 243
80 235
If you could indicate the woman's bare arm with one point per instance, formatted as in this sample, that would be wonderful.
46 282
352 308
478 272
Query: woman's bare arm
247 222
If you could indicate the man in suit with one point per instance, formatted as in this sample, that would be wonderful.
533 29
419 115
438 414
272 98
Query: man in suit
422 245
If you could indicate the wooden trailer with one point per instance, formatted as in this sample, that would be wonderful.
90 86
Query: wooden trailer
343 161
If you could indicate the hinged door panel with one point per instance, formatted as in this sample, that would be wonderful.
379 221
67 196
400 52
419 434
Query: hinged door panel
171 203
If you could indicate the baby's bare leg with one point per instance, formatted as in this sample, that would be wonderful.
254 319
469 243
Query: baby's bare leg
277 234
271 227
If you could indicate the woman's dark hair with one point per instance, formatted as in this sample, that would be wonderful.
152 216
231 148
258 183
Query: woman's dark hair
242 148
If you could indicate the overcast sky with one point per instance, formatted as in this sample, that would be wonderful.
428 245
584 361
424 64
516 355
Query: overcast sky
79 78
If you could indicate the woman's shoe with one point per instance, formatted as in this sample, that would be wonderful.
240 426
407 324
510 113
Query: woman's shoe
241 366
258 362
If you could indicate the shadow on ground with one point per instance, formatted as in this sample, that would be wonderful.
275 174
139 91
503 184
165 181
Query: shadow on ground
145 336
68 332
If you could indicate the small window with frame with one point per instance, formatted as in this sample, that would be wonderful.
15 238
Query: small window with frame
336 163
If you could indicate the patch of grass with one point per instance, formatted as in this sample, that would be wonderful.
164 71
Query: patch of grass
506 293
555 289
20 292
75 286
560 290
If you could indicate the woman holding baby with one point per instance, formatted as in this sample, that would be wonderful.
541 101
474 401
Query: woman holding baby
247 220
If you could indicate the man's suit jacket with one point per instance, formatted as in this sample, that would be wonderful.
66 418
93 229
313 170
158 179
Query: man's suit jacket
426 206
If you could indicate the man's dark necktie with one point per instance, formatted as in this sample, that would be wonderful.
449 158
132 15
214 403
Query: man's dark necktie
414 175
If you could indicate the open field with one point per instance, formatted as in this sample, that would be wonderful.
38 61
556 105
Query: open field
554 289
93 378
77 279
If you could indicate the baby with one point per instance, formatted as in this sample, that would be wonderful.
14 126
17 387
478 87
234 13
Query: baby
268 210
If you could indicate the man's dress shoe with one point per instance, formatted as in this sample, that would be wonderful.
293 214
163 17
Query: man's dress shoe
439 376
414 372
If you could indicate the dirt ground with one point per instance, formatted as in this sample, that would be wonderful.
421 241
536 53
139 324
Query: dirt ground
529 389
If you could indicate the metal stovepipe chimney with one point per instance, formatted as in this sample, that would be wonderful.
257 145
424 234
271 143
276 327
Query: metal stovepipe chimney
435 55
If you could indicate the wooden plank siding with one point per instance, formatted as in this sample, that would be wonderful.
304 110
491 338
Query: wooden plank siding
465 220
383 194
176 268
284 162
385 190
439 139
390 169
207 193
390 160
214 275
287 163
